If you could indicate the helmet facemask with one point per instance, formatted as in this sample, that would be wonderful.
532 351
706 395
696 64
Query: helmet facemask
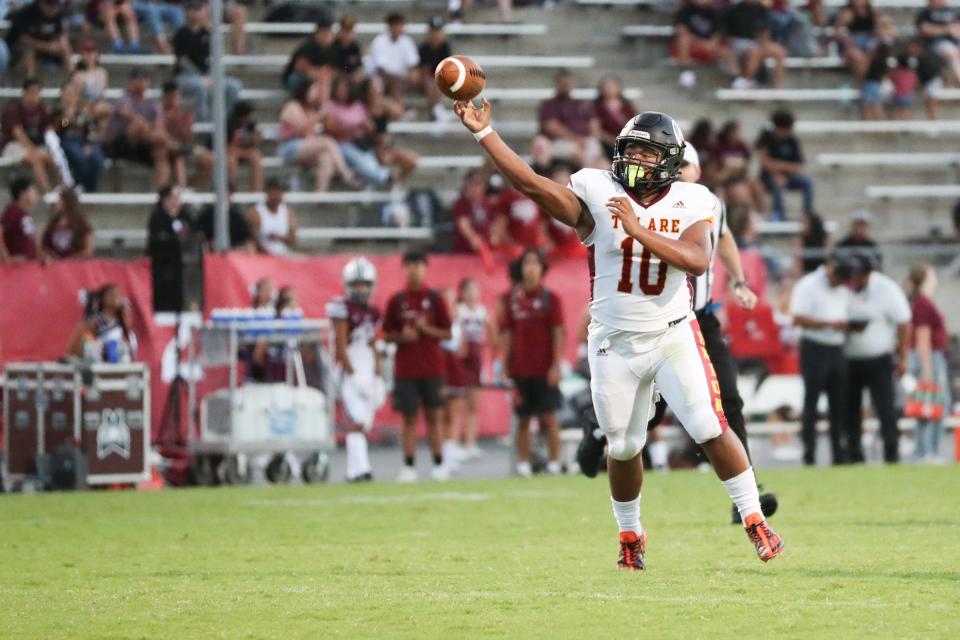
359 291
640 176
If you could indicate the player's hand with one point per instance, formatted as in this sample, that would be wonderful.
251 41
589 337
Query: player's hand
745 297
900 368
476 119
553 376
409 333
623 210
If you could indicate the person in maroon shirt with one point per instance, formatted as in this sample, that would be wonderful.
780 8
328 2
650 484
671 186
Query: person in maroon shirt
531 319
928 356
569 122
610 110
417 319
24 123
525 224
474 217
68 234
17 231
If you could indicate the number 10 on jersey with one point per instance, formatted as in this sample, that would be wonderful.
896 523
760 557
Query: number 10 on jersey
625 285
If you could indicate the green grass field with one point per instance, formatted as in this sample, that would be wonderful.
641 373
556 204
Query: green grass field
870 552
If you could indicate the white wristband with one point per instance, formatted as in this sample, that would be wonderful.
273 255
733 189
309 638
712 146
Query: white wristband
480 135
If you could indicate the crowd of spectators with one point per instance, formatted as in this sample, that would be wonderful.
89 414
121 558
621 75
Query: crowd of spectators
889 64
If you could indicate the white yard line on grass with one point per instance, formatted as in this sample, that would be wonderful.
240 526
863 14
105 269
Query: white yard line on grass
445 496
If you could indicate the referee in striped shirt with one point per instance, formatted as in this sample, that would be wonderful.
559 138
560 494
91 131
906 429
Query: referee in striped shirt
725 248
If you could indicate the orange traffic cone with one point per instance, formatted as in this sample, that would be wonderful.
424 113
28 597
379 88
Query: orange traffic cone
155 483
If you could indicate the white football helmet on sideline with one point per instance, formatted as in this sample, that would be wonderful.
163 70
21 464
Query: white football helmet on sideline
359 278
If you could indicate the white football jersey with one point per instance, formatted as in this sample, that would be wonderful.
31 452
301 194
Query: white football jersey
631 290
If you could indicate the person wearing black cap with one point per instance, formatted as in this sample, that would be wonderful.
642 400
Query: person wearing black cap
433 50
877 348
820 307
315 60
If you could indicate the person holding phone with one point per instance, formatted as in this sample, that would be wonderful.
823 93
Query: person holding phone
877 347
820 307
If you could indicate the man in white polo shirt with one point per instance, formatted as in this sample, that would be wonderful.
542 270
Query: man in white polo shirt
877 347
393 56
820 307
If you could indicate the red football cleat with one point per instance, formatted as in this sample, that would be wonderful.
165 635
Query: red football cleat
768 543
632 548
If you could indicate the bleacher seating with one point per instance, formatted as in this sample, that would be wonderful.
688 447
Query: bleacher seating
888 159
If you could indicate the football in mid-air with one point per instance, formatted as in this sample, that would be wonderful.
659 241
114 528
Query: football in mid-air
460 78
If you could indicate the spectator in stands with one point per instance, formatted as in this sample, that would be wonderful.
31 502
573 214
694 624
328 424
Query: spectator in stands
235 13
927 66
939 25
92 78
191 45
697 38
876 350
531 321
38 34
782 163
239 235
877 74
610 112
526 227
76 126
541 155
24 123
110 13
17 231
855 31
346 119
382 110
393 56
169 218
746 25
136 129
416 320
348 51
562 239
68 234
929 343
820 307
730 158
475 228
458 9
4 47
264 294
314 62
812 244
568 123
243 144
155 13
905 80
432 51
272 223
792 30
703 140
104 334
178 123
858 240
300 144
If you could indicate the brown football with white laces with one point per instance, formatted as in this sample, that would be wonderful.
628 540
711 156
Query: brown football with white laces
460 78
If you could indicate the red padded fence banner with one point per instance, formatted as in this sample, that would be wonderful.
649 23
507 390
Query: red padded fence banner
42 304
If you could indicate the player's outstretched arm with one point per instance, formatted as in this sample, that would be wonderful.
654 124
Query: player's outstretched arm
690 253
558 201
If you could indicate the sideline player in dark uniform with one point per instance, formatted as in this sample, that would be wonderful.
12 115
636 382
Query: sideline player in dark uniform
362 391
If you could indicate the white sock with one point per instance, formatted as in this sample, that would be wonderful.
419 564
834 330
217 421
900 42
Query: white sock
659 454
358 459
450 452
627 515
743 491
